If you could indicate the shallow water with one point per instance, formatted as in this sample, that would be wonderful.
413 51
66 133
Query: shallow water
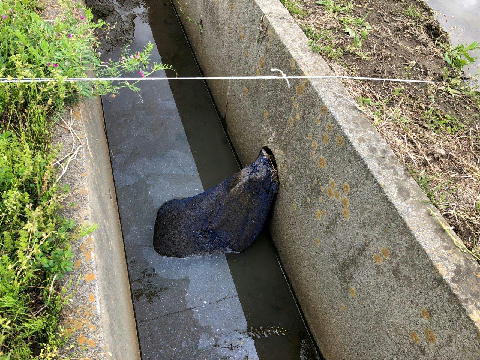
167 143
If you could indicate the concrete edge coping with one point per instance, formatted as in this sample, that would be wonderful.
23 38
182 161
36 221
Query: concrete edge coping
117 318
437 237
214 30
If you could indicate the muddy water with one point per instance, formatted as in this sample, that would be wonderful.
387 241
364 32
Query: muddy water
168 142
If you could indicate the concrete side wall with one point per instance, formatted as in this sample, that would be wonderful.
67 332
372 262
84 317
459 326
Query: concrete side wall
376 274
116 311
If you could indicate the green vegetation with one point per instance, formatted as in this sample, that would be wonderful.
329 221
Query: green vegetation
357 28
459 56
412 12
34 238
335 7
439 121
293 7
323 42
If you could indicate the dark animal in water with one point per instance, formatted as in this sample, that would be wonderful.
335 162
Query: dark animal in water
224 218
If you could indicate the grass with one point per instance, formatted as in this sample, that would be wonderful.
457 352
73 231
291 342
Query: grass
412 12
323 42
34 239
293 7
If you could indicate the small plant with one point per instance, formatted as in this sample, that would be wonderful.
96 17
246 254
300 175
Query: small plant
437 120
335 7
293 7
323 42
412 12
459 56
357 28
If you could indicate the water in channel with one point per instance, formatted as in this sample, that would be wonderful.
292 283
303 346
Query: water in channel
168 142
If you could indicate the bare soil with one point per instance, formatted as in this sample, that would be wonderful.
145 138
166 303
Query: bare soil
433 129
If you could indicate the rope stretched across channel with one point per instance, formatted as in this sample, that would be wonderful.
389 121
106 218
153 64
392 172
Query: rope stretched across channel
282 76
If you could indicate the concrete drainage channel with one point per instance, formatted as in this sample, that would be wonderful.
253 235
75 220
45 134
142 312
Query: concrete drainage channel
375 273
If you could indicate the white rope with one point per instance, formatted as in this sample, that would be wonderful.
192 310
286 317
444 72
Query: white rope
282 76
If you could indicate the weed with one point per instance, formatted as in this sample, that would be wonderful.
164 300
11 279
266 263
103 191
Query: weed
293 7
323 42
459 56
335 7
438 121
357 29
412 12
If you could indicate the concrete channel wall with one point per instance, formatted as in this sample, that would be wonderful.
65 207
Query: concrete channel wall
374 269
100 315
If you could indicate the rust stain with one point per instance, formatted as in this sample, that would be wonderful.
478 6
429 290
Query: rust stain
377 258
430 336
314 145
245 90
300 88
89 240
343 307
91 342
330 192
323 109
91 297
319 214
88 255
266 114
77 264
318 241
82 340
345 202
318 121
329 127
89 277
325 138
414 337
322 162
425 314
386 252
309 136
339 140
352 292
336 194
346 213
346 188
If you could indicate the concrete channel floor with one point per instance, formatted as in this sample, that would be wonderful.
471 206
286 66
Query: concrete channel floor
189 308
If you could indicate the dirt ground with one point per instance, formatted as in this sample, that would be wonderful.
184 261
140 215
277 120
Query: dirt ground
433 129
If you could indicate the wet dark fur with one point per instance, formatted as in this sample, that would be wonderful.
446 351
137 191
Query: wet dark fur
224 218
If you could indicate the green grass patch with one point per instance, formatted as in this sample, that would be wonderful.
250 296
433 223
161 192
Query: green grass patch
293 7
323 42
34 239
